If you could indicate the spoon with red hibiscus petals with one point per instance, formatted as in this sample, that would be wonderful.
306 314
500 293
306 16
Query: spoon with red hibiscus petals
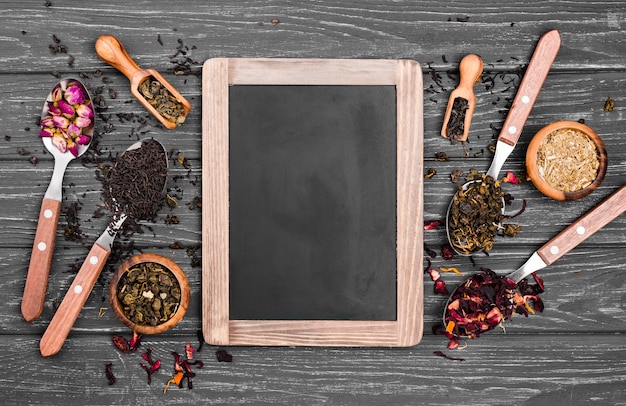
460 321
144 166
67 124
458 219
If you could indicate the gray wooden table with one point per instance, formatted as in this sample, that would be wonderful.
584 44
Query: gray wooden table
572 353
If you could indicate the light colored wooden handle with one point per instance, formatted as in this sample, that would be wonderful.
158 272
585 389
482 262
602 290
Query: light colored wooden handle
470 69
584 227
73 302
40 260
111 50
536 72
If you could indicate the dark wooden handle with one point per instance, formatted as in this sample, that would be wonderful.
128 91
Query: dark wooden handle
584 227
40 260
540 63
73 302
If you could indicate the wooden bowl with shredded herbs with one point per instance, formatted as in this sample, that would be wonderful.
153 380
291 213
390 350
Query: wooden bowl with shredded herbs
149 293
566 160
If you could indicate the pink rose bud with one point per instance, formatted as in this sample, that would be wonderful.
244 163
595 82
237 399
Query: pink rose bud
82 122
60 143
60 121
74 94
84 110
46 132
83 139
47 121
73 130
66 109
57 93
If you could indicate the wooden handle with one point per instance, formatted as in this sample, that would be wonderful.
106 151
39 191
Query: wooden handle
40 260
584 227
470 69
111 50
540 63
73 302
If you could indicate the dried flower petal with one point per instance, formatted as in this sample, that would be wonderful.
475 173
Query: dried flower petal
431 225
109 373
434 274
189 350
177 379
510 178
223 356
121 343
440 287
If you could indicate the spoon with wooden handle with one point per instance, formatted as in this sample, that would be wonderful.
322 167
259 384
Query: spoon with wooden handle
84 281
470 70
41 256
111 50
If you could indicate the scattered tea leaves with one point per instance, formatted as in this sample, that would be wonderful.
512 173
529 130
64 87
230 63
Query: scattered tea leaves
455 127
609 104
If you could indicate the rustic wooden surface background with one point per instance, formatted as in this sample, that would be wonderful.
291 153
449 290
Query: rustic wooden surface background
572 353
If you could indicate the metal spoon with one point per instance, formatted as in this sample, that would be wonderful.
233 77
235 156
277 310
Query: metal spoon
43 246
569 238
533 79
74 300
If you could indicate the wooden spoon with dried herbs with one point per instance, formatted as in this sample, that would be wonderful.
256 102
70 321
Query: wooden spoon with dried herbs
468 236
155 93
135 190
485 300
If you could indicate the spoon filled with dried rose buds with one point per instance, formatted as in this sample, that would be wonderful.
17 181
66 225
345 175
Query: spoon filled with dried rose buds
485 300
67 124
476 210
136 185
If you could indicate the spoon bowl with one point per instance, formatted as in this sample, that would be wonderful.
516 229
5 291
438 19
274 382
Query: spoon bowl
561 244
84 281
527 93
45 236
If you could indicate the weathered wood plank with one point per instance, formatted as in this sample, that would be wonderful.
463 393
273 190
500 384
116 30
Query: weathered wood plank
577 370
502 34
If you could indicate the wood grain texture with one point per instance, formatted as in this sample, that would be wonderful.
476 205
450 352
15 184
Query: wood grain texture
572 353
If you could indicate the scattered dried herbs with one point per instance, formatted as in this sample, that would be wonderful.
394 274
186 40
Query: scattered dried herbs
223 356
609 104
149 294
162 100
441 354
567 159
456 123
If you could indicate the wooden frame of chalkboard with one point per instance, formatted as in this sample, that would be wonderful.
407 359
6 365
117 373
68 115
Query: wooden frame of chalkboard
219 75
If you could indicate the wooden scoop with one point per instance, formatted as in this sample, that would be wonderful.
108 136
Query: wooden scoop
111 50
471 68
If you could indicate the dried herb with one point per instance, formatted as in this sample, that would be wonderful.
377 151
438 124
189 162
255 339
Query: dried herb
456 123
567 159
441 354
109 373
152 366
162 100
485 301
127 346
609 104
134 185
475 215
149 294
223 356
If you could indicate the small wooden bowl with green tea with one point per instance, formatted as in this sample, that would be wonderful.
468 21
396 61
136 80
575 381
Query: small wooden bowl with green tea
566 160
149 293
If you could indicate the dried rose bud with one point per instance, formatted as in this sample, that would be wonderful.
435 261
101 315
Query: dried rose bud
84 110
47 121
47 132
74 93
83 140
57 93
82 122
60 143
67 109
60 122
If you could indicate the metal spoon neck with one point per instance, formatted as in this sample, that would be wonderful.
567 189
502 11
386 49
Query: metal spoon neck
534 263
503 150
55 188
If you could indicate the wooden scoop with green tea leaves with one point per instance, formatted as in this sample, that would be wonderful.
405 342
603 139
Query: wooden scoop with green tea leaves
155 93
469 231
133 191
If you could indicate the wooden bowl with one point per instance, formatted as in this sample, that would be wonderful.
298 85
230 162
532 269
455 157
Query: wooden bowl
532 168
178 274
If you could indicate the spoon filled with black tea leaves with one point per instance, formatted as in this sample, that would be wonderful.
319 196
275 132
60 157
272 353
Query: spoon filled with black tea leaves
67 125
477 209
487 299
133 190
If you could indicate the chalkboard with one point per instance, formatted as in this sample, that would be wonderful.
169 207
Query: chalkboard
312 202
